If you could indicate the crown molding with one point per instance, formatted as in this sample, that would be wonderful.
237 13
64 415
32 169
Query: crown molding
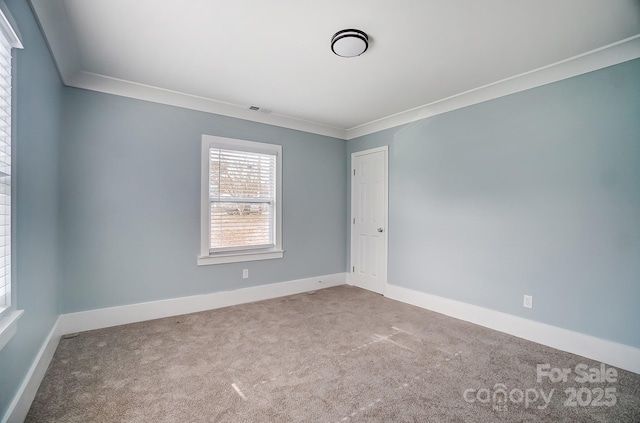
109 85
609 55
58 37
50 13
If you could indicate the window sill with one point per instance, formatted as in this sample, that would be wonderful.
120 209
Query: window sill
240 257
8 326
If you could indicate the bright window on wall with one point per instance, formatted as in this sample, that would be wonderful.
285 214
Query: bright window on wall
8 41
241 212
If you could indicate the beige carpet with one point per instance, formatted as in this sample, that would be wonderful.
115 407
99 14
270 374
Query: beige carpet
340 355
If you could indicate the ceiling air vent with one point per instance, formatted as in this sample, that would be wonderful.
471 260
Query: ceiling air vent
259 109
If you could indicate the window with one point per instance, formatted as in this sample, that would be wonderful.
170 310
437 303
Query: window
8 40
241 201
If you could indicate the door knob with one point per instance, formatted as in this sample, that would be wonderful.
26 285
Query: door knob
380 229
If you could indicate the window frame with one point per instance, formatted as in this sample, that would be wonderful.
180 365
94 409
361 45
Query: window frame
207 257
9 315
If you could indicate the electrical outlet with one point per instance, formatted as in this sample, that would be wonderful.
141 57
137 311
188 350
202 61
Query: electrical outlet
245 273
528 301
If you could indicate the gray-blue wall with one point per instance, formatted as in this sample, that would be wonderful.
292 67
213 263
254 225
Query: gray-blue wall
534 193
130 203
37 96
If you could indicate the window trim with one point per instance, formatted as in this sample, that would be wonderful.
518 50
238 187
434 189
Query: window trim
8 323
249 254
9 315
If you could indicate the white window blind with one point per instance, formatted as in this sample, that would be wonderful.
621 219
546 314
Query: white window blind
6 45
242 195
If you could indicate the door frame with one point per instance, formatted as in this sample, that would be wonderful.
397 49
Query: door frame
385 150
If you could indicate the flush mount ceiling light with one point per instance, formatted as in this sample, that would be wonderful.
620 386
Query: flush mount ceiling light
349 43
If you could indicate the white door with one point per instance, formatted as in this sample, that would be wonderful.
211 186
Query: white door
369 219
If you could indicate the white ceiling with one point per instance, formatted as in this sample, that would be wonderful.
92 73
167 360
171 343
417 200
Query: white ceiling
222 56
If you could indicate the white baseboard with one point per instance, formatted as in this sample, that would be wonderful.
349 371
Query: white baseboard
114 316
21 403
613 353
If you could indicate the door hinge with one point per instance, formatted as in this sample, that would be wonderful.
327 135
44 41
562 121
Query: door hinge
353 269
354 220
354 172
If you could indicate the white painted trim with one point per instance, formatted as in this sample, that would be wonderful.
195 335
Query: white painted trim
19 407
59 38
114 316
619 355
8 325
65 52
240 257
121 315
205 232
613 353
109 85
62 44
8 27
385 150
207 258
612 54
